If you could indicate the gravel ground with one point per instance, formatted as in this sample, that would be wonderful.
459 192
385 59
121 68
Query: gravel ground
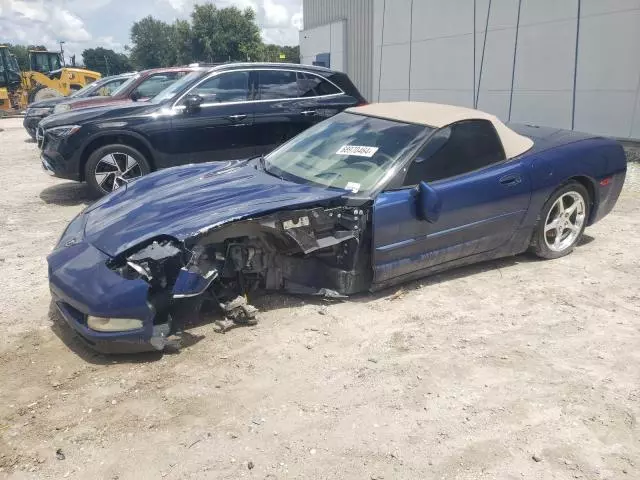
512 369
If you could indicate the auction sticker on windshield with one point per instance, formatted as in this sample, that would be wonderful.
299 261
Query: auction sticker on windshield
353 187
358 150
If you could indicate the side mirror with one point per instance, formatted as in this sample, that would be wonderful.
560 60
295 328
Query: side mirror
429 203
193 102
135 96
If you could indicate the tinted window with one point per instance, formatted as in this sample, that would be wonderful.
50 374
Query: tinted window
277 84
153 85
226 87
460 148
310 85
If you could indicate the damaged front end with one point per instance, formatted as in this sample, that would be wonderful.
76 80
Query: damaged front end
318 251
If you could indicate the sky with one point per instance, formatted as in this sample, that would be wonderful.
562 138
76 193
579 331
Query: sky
106 23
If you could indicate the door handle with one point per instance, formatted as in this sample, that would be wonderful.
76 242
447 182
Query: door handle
308 113
236 118
511 180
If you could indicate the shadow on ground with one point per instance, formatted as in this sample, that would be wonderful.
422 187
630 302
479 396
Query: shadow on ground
585 240
68 194
77 345
80 347
277 301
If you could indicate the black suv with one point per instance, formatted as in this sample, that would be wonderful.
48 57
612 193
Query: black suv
227 112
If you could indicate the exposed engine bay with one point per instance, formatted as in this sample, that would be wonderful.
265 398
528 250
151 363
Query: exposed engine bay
317 251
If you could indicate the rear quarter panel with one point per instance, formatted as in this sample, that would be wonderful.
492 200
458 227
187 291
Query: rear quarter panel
588 160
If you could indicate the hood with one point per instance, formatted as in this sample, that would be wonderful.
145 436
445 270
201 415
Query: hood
106 112
186 202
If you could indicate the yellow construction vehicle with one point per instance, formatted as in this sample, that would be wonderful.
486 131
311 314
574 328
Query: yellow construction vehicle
46 78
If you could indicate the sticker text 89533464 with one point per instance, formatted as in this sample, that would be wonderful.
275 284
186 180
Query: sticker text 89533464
357 150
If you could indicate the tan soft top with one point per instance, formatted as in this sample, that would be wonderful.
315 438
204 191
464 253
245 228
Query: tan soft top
437 115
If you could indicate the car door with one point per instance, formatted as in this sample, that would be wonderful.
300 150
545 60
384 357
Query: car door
290 101
480 196
221 127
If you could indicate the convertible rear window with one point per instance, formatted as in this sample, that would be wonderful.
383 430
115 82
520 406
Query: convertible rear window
348 151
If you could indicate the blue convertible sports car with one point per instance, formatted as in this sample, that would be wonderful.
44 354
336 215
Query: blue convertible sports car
374 196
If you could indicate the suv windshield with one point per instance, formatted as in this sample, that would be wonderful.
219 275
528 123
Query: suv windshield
177 87
348 151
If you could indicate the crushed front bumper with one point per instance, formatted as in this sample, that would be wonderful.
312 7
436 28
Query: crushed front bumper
81 285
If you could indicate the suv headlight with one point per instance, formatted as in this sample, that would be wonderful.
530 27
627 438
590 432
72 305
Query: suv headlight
63 131
61 107
101 324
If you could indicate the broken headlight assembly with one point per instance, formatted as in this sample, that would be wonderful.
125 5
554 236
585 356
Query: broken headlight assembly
158 263
100 324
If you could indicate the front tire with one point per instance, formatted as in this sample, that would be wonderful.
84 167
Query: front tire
112 166
561 222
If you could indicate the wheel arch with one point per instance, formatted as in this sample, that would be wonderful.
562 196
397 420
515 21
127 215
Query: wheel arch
590 185
125 138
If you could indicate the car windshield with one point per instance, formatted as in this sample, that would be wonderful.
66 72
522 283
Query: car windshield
348 151
177 87
88 89
125 85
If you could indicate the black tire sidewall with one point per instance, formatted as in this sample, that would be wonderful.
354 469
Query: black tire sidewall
539 245
95 157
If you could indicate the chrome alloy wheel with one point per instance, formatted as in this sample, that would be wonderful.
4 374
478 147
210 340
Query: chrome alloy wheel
564 221
116 169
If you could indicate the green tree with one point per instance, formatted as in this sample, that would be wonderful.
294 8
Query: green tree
222 34
183 42
152 43
272 53
22 55
213 35
106 61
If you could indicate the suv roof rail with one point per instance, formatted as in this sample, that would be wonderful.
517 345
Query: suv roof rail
206 64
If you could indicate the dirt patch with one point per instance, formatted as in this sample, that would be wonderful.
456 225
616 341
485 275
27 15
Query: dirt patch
464 375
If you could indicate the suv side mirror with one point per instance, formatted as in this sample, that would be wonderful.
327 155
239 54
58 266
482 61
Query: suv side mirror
193 102
429 203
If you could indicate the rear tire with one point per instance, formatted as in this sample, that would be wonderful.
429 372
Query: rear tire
112 166
561 222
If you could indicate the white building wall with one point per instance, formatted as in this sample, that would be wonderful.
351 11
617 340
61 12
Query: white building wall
356 57
328 38
560 63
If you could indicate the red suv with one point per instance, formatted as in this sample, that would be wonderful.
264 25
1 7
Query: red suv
142 86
